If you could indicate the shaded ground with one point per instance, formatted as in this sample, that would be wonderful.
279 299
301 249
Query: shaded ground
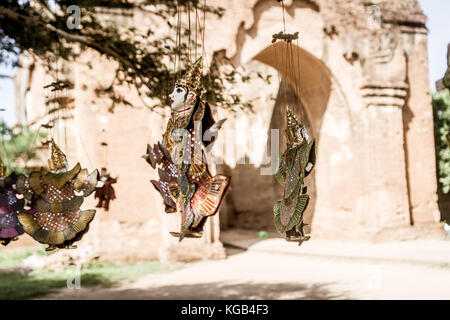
272 269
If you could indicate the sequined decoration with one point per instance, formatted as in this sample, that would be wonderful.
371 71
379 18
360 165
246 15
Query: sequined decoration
56 218
10 205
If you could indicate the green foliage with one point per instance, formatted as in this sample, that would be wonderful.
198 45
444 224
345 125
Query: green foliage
441 112
113 272
13 258
17 285
18 144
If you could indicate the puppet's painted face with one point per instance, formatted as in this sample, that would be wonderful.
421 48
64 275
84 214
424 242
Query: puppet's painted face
296 135
103 175
178 98
299 136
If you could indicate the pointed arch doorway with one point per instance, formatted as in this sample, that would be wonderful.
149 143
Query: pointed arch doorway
250 202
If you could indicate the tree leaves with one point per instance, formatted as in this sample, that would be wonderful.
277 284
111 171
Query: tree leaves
18 144
41 29
441 111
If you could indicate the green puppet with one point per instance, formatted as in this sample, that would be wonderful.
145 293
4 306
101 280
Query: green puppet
295 165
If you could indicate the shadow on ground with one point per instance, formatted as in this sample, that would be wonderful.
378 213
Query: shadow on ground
267 291
217 291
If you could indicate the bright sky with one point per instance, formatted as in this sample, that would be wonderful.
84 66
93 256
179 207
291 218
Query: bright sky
438 12
7 96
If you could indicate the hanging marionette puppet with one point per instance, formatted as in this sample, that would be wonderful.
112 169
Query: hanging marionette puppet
106 193
56 197
10 227
295 165
185 184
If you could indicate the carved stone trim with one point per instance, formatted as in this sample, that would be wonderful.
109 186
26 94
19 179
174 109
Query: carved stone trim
392 96
413 29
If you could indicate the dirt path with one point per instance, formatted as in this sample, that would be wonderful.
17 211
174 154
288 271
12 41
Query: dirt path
255 274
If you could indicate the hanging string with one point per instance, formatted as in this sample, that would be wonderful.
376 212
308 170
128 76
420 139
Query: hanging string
105 146
202 36
188 9
59 101
295 74
290 67
82 143
204 32
196 31
278 66
178 40
287 80
57 107
53 99
298 71
36 135
174 52
61 116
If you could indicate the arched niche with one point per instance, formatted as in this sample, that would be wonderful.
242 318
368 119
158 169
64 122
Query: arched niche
310 78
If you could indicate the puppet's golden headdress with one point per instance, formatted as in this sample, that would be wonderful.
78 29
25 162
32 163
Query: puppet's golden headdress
57 158
294 127
192 78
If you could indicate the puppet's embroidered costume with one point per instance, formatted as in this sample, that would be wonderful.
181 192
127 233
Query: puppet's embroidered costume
56 197
295 164
158 155
10 227
186 184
